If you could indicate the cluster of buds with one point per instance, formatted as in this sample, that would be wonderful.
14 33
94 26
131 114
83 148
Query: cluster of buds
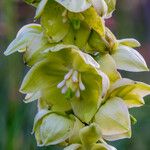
74 61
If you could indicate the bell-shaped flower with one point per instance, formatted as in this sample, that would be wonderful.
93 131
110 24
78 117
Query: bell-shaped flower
51 128
91 139
108 66
68 79
122 51
114 120
30 41
132 92
60 24
103 7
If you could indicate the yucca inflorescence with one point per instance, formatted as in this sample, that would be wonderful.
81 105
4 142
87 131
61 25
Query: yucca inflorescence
74 61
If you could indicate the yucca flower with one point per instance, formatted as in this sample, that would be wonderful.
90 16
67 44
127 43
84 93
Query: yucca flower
91 139
52 128
113 116
68 79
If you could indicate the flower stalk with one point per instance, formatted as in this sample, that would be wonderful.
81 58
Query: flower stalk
74 61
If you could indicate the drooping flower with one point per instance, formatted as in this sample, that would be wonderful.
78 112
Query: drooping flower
103 7
91 139
68 79
122 51
114 120
113 117
52 128
30 41
132 92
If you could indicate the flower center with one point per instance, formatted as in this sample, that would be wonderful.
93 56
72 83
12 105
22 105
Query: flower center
72 80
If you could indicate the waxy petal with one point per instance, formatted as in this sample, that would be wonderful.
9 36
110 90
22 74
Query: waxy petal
132 92
52 22
94 21
52 128
114 120
129 59
75 6
129 42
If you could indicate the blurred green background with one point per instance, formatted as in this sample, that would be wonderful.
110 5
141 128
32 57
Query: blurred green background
131 19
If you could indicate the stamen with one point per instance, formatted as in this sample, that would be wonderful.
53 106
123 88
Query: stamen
64 90
61 84
78 93
81 85
68 75
75 76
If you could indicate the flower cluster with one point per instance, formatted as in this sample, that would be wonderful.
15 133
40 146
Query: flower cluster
74 61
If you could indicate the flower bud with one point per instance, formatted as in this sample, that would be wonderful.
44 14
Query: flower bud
51 128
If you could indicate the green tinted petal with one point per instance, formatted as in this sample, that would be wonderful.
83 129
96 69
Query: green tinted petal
43 74
111 5
129 42
142 89
90 135
38 117
94 21
75 6
73 147
59 47
108 66
133 100
130 91
120 83
30 28
40 8
35 43
55 99
55 129
102 146
32 97
97 43
16 45
52 128
112 41
129 59
90 97
100 6
35 48
74 136
82 35
52 21
114 120
69 38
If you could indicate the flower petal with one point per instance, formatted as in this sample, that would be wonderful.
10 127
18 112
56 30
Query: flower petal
114 120
130 91
52 128
40 8
73 147
129 42
43 74
108 66
90 135
94 21
75 6
52 22
129 59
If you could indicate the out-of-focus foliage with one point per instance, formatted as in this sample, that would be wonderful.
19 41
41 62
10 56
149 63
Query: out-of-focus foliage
131 18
